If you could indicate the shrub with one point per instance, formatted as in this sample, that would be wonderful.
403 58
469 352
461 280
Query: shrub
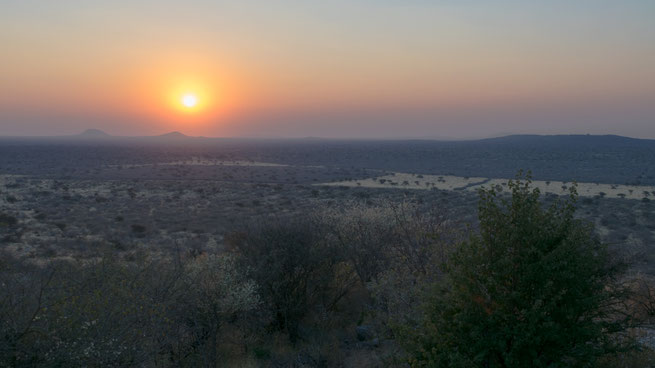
7 220
113 313
217 293
138 229
294 268
418 250
362 235
20 306
531 289
99 314
642 298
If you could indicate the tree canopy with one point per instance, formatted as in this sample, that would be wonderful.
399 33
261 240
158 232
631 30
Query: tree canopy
530 289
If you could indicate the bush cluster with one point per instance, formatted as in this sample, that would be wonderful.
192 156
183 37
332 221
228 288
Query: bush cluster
113 313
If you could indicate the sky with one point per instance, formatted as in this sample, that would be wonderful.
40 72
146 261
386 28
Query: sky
339 69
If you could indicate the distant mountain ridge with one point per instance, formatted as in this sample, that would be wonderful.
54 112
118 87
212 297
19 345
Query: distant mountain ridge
509 137
517 140
580 140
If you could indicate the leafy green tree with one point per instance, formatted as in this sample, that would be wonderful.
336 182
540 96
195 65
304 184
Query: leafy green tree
532 289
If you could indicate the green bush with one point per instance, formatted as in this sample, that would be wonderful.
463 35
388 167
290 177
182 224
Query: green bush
530 290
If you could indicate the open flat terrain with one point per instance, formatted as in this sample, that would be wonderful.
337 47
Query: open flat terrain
81 197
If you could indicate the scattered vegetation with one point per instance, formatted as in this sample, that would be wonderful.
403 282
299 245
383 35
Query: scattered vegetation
241 266
534 287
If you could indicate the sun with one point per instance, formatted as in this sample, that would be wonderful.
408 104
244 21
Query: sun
189 100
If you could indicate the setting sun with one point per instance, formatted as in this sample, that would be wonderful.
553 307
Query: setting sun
190 96
189 100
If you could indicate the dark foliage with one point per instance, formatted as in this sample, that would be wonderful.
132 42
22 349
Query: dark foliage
295 269
532 289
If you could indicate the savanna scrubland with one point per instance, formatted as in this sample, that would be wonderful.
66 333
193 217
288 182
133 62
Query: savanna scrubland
274 254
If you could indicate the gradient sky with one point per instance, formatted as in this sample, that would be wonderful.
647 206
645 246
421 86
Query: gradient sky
356 69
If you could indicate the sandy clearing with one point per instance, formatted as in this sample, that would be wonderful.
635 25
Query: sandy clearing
449 182
412 181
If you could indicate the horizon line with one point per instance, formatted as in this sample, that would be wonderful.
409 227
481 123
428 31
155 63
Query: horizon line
98 134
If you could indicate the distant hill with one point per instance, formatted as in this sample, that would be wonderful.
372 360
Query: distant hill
570 141
93 133
173 135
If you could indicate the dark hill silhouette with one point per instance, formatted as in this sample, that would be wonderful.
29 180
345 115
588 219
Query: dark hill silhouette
572 140
173 135
93 133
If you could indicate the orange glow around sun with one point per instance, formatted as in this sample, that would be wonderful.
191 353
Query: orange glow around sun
199 97
188 95
191 98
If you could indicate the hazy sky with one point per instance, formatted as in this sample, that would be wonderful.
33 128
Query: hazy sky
369 68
